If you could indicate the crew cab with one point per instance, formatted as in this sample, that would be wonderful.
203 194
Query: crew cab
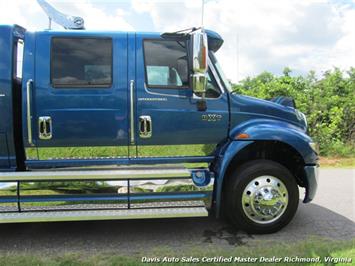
99 125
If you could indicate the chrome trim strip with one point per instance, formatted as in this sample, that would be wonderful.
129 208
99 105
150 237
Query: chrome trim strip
29 115
172 185
72 195
28 207
95 174
168 204
102 215
175 191
45 164
131 92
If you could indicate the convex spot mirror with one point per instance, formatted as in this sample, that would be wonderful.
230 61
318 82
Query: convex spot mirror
199 61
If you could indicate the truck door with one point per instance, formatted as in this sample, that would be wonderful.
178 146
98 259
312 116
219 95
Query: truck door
79 95
167 112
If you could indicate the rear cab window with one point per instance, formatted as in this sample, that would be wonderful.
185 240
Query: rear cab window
81 62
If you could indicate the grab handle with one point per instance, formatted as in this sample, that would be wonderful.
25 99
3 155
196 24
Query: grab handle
29 114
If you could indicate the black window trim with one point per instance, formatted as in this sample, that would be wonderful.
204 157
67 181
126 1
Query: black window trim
183 87
80 86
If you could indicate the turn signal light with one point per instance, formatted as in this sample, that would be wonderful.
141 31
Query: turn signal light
242 136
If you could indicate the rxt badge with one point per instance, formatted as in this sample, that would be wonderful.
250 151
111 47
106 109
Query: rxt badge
211 117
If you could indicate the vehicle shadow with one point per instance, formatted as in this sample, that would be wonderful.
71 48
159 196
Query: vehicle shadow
130 236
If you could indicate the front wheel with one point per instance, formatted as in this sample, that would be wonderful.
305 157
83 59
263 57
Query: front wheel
261 197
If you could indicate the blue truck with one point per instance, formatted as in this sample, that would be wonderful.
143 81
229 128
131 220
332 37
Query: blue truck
144 102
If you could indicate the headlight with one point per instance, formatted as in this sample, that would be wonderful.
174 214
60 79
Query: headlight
314 146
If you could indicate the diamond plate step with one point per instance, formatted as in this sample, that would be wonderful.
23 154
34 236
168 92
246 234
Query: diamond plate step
54 216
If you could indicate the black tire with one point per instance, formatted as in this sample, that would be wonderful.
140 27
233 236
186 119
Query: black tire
241 178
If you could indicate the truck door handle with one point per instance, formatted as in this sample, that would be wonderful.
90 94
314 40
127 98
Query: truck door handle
145 126
45 127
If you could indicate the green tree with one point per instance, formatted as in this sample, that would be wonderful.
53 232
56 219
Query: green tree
328 102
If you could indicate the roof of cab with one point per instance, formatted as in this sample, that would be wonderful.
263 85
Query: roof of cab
215 41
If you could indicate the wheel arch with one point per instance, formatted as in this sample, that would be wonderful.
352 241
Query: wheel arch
276 151
240 152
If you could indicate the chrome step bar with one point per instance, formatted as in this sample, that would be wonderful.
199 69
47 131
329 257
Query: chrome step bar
116 174
54 216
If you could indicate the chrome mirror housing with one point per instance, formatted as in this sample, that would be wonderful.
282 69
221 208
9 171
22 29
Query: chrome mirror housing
199 83
199 60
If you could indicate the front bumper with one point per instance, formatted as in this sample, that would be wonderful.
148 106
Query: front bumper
312 173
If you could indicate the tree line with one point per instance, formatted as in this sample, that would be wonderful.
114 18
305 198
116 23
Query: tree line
328 102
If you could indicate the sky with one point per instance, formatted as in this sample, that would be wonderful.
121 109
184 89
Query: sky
259 35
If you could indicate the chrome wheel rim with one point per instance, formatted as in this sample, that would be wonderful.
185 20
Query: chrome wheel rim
265 199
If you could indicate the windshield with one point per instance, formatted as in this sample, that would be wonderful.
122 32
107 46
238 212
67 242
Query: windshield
221 74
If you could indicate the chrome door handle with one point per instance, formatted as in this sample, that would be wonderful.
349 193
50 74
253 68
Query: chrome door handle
45 127
145 126
29 114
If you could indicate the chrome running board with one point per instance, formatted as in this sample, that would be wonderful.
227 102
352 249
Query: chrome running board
54 216
105 194
116 174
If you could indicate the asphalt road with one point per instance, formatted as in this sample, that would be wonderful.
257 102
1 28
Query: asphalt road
331 215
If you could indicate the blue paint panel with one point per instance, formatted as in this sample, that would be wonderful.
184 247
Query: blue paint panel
265 120
82 116
6 51
246 109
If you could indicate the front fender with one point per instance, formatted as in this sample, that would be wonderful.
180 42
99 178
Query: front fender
262 130
269 129
222 164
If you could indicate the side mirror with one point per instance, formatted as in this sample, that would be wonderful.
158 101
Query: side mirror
199 61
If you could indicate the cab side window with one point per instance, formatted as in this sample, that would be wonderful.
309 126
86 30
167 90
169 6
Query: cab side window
81 62
166 64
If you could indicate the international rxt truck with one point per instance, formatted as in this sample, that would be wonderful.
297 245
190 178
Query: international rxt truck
104 125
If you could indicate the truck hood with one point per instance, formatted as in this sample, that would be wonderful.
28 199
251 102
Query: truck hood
245 108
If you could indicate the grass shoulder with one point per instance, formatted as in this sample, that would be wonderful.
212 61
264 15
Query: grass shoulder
337 162
327 251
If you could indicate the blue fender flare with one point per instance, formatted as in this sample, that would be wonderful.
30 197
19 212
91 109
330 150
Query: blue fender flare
261 130
277 130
